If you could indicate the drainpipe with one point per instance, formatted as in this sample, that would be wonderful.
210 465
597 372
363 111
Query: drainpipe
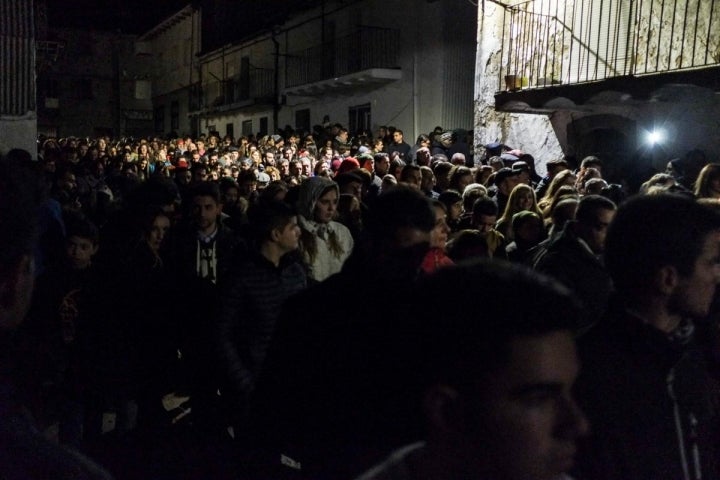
276 93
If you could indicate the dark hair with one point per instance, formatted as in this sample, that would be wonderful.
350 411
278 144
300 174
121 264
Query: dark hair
456 346
589 206
405 173
206 189
484 206
591 161
80 226
267 216
450 197
399 207
652 231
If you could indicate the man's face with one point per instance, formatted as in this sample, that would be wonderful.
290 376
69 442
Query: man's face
381 167
397 137
353 188
526 422
288 238
326 207
343 136
205 212
79 251
285 167
594 235
694 293
270 159
414 179
305 166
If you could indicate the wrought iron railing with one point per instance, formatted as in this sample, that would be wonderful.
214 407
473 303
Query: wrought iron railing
368 47
258 83
548 42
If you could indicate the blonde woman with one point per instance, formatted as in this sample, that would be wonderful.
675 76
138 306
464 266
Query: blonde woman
522 198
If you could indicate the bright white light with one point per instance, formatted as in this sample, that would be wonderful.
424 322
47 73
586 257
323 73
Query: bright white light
656 136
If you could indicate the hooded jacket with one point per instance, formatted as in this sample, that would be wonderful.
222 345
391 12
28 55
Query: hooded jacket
319 256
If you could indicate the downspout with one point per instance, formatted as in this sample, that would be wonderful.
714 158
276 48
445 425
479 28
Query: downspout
276 96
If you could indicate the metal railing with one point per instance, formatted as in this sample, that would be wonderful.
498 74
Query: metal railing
548 42
368 47
258 83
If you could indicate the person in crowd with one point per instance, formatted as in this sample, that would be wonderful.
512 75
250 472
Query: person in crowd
399 145
528 231
24 452
324 243
460 177
553 166
453 202
645 383
202 253
707 184
423 141
522 198
316 402
252 301
427 185
437 257
411 175
496 387
561 179
575 256
484 219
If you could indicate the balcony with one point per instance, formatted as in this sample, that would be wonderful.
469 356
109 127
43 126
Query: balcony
365 59
579 50
254 89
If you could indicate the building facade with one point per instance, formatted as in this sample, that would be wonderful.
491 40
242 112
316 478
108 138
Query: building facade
18 112
362 64
171 48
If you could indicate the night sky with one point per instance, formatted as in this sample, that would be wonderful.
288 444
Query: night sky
128 16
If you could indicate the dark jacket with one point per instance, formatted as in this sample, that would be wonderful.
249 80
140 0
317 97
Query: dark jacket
251 305
572 263
652 406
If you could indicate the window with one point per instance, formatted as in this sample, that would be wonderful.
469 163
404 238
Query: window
159 118
263 126
247 128
359 118
175 115
230 130
302 120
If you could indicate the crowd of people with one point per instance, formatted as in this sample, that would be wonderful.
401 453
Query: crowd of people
299 305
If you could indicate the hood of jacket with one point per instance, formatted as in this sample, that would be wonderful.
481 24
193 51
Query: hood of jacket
310 192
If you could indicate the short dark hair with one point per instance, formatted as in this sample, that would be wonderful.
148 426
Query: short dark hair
267 216
405 173
206 189
80 226
589 206
484 206
652 231
456 345
399 207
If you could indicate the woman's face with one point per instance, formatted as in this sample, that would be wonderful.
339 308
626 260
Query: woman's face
525 200
326 207
439 234
157 232
456 210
